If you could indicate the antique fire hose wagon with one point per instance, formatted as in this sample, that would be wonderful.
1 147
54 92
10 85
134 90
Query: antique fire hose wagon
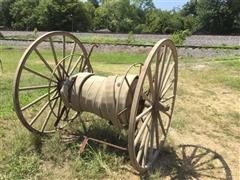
55 82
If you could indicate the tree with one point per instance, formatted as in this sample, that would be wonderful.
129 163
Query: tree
235 7
215 16
166 22
23 14
94 2
143 4
5 16
63 15
190 8
118 16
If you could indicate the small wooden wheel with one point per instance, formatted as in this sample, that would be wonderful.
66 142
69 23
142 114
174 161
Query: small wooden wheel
39 76
153 104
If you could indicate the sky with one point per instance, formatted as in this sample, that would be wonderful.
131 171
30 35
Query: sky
169 4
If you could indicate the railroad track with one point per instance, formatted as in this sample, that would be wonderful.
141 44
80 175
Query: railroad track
135 44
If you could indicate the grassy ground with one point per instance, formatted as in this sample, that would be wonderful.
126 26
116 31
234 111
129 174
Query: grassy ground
129 40
95 39
205 126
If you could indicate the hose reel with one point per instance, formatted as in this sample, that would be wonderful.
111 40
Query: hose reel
108 97
50 89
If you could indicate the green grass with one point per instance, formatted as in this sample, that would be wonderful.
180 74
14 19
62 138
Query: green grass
24 156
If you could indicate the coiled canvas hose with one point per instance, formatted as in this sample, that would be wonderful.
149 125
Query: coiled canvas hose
108 97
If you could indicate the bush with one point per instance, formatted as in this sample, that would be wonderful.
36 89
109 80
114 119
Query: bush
179 37
1 36
130 38
35 31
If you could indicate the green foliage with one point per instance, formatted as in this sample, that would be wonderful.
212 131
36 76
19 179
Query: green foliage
5 17
143 4
215 16
35 32
1 36
180 36
23 14
130 38
166 22
138 16
62 15
118 16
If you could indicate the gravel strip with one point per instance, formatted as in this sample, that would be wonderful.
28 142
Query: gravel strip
195 53
197 40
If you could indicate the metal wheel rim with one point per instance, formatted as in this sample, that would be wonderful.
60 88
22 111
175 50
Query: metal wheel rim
132 140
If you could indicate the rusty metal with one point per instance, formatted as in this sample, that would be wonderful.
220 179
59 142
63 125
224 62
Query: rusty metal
63 86
86 139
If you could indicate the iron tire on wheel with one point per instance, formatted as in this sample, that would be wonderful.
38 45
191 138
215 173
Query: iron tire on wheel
34 57
153 104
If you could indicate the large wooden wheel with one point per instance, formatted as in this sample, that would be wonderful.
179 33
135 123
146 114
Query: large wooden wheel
42 70
153 104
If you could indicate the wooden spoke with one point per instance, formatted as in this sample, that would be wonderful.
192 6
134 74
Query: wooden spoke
161 123
48 116
151 138
166 113
130 89
45 62
63 70
158 78
75 65
35 87
150 79
165 69
81 64
59 108
54 72
157 75
160 71
63 54
71 57
167 76
166 99
140 132
39 113
145 151
144 113
67 113
55 56
37 100
164 91
141 147
42 109
38 74
155 124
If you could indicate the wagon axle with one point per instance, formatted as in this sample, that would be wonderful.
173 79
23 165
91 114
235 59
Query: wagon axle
52 89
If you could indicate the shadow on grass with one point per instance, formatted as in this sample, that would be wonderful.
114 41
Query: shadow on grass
189 162
182 162
101 131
